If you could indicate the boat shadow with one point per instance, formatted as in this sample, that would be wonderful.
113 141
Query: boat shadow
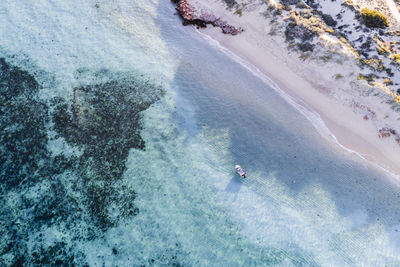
234 186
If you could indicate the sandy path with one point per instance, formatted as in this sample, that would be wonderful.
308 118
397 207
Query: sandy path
393 9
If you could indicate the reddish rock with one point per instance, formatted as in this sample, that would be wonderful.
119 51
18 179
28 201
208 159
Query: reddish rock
191 16
370 114
384 132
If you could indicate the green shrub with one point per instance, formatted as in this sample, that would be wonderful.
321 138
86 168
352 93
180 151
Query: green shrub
338 76
328 20
369 78
396 58
230 3
374 19
387 81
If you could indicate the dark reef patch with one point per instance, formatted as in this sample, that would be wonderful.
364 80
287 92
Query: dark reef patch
55 255
22 122
104 120
80 195
25 163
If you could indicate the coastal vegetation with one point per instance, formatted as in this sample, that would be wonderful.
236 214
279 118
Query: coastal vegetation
387 81
374 63
396 58
338 76
369 78
230 3
374 19
310 26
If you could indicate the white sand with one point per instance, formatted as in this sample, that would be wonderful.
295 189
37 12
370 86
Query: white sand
311 86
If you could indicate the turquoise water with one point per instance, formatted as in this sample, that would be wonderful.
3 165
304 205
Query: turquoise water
120 129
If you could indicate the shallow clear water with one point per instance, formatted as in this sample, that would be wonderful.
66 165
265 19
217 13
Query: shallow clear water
120 130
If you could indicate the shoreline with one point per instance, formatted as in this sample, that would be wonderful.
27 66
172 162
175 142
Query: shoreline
349 131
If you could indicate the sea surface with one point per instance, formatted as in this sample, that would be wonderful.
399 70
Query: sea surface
119 132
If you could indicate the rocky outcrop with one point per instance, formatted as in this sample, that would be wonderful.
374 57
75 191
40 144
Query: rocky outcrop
368 112
387 132
201 18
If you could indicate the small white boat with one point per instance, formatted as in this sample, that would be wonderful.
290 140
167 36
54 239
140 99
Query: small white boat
240 171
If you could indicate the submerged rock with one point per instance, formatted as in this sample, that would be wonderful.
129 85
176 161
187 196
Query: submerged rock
78 195
32 195
104 119
22 121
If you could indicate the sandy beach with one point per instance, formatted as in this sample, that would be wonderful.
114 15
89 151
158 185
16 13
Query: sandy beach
262 53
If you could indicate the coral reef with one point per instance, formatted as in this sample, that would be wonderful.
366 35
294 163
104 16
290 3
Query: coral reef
80 195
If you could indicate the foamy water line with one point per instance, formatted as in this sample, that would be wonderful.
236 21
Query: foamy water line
310 114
